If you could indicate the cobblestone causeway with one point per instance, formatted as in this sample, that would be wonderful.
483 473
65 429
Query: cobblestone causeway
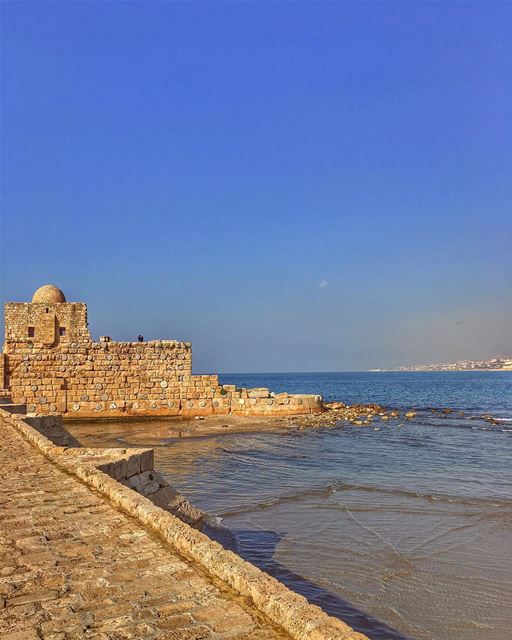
73 566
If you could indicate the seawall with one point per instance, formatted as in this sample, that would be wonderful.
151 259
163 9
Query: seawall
107 471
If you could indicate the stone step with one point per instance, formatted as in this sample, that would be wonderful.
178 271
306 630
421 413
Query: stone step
5 397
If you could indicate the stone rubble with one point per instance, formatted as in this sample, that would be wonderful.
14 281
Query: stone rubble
360 415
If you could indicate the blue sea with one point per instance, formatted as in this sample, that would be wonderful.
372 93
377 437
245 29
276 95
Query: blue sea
402 528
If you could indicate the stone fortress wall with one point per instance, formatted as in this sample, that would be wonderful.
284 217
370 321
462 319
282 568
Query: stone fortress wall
51 363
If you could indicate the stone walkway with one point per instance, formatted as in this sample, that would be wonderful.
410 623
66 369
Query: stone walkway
73 566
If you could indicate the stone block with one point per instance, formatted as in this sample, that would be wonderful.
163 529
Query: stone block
118 469
147 460
260 392
165 497
133 465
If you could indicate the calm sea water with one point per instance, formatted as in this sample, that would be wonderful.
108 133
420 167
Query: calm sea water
403 529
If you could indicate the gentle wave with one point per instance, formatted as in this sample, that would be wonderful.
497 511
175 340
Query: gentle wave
333 487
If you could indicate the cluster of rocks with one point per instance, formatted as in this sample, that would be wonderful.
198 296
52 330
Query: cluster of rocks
360 415
487 417
365 415
492 420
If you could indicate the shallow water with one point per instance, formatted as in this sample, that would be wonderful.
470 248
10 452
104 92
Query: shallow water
403 529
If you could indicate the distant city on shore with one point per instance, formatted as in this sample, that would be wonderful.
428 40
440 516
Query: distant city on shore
492 364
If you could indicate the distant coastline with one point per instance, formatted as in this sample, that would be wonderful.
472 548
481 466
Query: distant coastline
492 364
426 370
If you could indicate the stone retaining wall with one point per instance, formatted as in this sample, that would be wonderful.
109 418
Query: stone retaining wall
134 468
289 610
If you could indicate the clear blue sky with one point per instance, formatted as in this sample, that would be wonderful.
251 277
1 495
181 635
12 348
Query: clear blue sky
291 186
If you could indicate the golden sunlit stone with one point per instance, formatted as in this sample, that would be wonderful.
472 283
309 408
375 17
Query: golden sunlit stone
48 293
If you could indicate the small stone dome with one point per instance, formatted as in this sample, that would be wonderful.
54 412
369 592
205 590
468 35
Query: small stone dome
49 294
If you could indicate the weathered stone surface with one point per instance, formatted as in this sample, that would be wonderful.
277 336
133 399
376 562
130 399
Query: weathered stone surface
72 562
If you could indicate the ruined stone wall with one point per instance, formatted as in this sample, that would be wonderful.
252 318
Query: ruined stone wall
113 377
53 366
129 379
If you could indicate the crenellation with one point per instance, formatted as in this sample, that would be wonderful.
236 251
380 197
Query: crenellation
51 363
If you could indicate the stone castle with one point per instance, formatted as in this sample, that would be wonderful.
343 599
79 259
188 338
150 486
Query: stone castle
51 364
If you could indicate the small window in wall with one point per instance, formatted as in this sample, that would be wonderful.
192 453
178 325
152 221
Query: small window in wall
62 331
31 332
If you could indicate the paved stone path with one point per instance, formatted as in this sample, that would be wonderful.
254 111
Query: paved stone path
73 566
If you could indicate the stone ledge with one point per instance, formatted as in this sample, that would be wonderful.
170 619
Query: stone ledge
292 612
